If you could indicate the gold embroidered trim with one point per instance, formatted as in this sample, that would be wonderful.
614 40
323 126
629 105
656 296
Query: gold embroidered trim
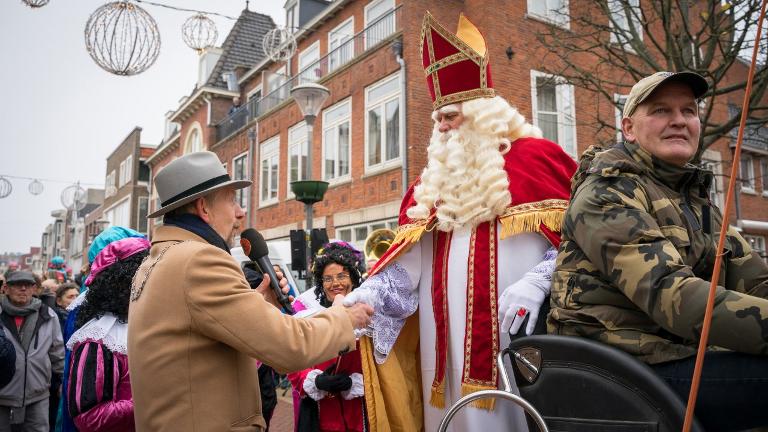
437 395
530 216
431 23
447 61
466 95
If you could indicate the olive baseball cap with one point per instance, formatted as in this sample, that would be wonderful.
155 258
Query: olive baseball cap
647 85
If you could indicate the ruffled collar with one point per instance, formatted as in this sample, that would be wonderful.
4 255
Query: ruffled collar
107 330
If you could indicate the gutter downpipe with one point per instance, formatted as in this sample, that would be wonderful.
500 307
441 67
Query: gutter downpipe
252 134
397 47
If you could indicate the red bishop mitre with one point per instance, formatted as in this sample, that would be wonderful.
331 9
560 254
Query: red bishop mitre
456 65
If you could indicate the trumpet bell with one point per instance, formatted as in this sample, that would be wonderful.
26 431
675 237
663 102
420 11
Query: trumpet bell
377 243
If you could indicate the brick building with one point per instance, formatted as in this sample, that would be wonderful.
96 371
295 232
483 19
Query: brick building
370 138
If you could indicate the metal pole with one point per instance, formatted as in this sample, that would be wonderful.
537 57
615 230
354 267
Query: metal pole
310 120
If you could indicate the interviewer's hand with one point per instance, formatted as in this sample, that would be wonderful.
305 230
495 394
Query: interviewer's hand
267 292
359 313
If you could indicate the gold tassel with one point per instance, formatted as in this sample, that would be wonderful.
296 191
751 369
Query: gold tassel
437 398
531 221
486 403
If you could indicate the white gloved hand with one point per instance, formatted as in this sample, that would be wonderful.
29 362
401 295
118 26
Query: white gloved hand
361 295
521 299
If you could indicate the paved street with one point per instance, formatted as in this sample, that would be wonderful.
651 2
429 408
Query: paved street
282 419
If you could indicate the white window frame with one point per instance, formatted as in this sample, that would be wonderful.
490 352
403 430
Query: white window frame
241 195
327 125
308 57
128 169
382 103
566 118
551 15
749 179
294 141
354 240
336 57
713 161
282 77
368 20
619 112
619 16
764 175
138 215
109 213
275 140
257 89
292 17
121 174
190 145
757 243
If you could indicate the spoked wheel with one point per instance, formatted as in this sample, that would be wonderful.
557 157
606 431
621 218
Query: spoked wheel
502 394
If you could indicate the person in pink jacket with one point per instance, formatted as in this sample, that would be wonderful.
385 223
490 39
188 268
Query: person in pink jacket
99 388
337 384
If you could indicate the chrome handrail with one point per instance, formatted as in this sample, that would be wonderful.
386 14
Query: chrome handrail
506 393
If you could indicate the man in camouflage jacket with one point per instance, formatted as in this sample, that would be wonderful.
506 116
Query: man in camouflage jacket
638 251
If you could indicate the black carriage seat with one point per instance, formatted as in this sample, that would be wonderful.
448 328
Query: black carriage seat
587 386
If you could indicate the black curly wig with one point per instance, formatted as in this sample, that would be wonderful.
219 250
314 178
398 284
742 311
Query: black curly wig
340 253
110 291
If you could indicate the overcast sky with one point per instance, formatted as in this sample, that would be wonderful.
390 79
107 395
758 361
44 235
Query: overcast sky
61 115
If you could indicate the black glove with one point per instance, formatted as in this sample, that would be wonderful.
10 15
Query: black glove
333 383
253 276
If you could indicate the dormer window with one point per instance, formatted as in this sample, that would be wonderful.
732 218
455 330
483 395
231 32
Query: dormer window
292 16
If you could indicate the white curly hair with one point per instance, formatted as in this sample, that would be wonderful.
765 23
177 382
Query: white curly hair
465 178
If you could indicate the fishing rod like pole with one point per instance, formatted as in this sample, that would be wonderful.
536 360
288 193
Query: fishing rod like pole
723 229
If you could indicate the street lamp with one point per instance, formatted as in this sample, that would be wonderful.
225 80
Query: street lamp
310 98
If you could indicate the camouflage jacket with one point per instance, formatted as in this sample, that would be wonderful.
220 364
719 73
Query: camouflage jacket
637 253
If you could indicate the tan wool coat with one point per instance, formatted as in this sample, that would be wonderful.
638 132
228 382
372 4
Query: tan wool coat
195 330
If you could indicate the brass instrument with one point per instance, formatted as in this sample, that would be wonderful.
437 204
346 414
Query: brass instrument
377 243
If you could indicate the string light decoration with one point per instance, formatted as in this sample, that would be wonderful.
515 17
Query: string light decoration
279 44
122 38
35 187
73 197
5 187
34 4
199 32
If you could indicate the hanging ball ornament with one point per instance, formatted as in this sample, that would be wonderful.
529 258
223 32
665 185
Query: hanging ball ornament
35 3
35 187
73 197
279 44
199 32
122 38
5 187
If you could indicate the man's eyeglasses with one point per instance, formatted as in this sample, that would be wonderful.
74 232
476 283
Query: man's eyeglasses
22 286
341 278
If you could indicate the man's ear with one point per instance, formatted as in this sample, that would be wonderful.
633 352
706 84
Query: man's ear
201 207
628 129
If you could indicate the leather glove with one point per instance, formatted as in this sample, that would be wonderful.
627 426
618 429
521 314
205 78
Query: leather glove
521 299
333 383
253 276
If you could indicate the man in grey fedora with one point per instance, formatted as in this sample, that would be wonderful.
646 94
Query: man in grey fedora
195 326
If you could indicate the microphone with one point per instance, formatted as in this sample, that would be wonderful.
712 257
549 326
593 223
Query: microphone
256 249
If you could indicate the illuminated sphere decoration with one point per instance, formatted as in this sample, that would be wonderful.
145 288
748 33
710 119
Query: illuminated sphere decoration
279 44
35 187
122 38
199 32
5 187
73 197
35 3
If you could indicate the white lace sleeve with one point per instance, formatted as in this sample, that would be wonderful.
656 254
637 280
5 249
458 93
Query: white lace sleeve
309 385
541 274
356 390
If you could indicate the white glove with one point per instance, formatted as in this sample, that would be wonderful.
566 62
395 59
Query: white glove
521 299
360 295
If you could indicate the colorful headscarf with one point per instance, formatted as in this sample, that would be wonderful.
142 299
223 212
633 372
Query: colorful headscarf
114 252
108 236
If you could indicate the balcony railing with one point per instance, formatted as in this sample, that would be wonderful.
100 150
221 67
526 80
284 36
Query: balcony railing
369 38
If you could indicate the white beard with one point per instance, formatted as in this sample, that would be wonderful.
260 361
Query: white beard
464 178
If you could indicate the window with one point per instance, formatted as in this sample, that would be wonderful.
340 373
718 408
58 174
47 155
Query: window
240 172
309 59
712 161
120 214
292 18
297 154
379 22
618 101
275 81
141 215
128 176
758 245
357 234
764 174
554 11
339 48
109 185
194 140
621 32
143 172
382 122
269 159
121 174
336 141
553 110
747 174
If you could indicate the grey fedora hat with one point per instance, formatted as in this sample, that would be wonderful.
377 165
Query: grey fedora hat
190 177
